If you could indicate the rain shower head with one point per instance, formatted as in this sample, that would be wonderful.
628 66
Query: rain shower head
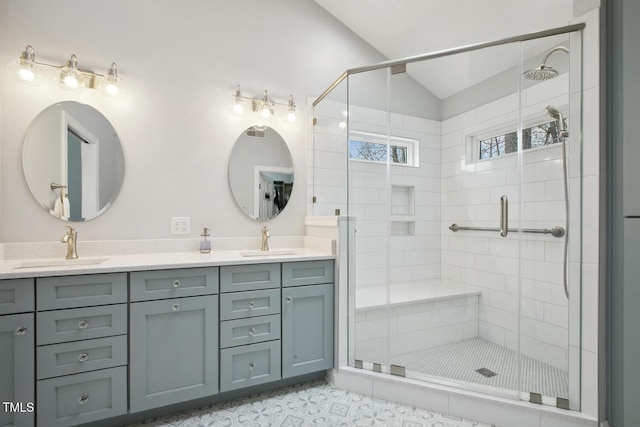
544 71
541 73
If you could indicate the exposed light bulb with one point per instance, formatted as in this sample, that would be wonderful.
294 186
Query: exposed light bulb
237 106
70 80
266 106
24 69
291 112
69 75
112 84
112 89
26 74
342 125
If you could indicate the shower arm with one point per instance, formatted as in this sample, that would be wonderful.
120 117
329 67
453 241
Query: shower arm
555 49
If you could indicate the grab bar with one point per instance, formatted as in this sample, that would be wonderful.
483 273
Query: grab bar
555 231
504 216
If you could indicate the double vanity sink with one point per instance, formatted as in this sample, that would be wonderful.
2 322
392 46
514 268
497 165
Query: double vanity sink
18 268
98 338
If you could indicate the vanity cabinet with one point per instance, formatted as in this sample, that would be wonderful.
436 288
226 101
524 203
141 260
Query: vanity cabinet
307 317
81 348
173 336
17 355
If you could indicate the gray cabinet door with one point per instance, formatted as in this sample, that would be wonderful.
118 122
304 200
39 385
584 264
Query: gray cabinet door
173 351
17 376
307 329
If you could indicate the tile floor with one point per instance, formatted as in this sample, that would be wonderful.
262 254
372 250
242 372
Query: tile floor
312 404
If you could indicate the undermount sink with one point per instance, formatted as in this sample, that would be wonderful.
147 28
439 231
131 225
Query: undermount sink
275 252
60 263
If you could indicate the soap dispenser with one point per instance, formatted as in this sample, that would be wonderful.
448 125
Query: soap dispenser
205 245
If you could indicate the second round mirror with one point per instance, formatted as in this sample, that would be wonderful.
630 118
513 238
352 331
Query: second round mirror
261 173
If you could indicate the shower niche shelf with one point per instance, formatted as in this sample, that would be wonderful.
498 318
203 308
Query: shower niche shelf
403 221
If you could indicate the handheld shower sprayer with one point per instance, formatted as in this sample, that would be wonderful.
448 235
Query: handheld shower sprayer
557 115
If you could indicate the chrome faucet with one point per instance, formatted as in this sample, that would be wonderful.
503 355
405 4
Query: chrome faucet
265 238
70 239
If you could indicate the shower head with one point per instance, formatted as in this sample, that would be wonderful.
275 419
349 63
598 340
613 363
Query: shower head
559 118
541 73
544 71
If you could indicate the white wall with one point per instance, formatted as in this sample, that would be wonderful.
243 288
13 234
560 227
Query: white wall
181 62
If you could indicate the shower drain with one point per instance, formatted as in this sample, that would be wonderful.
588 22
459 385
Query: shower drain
486 372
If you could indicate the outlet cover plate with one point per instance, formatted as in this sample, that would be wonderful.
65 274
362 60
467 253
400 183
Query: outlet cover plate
180 225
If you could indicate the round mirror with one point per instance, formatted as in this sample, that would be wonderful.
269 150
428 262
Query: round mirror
73 161
261 173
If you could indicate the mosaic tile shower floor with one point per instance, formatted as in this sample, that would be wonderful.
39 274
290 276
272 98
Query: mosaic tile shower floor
313 404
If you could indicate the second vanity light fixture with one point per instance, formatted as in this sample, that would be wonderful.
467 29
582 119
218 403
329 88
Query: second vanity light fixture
264 105
27 70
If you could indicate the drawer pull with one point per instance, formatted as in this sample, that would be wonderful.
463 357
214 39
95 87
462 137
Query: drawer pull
252 331
83 324
21 330
252 304
83 357
83 399
175 307
251 366
177 283
288 300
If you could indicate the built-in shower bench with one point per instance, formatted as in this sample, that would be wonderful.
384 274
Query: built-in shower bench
420 315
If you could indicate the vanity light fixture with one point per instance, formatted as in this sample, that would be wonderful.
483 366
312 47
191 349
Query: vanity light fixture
27 70
264 105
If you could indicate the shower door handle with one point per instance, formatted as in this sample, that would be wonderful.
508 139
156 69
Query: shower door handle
504 216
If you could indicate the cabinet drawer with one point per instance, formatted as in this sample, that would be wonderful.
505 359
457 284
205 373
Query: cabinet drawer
16 296
249 331
81 398
80 323
249 365
184 282
307 273
249 277
81 291
248 304
81 356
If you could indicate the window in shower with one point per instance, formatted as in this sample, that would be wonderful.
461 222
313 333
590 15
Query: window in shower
537 136
371 147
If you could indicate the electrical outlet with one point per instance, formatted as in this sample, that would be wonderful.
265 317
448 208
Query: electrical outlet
180 225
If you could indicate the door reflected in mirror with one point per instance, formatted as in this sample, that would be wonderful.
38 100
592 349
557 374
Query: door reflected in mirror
73 161
261 173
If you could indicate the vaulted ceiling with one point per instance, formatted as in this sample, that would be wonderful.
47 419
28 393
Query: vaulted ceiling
402 28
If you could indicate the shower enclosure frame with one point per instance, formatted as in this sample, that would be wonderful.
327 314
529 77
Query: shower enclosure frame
399 65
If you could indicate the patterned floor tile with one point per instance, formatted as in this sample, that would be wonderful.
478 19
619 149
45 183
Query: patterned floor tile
313 404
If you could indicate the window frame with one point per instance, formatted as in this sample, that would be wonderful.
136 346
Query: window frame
411 145
530 122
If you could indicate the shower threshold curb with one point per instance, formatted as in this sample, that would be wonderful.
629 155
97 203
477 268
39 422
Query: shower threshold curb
453 401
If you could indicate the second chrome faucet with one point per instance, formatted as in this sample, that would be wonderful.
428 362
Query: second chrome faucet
265 238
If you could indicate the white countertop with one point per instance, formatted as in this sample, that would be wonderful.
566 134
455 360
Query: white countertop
41 267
